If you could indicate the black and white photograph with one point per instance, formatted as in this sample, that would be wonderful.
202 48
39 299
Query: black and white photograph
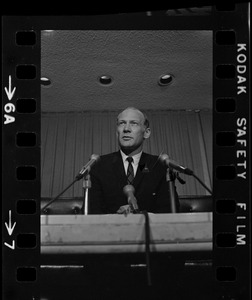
126 163
126 155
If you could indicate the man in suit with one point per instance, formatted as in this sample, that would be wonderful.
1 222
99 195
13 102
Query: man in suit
130 166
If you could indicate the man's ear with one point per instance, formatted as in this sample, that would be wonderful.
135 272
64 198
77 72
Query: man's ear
147 133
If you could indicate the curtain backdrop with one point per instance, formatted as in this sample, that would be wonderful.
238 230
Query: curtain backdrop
69 139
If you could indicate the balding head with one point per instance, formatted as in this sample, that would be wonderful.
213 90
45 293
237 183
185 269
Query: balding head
132 130
146 122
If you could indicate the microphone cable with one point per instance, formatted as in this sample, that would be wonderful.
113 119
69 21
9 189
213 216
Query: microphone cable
147 246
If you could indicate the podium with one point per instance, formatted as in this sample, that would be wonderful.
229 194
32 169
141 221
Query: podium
101 234
110 254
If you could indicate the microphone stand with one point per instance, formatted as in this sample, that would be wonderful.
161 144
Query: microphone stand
86 187
54 199
202 183
170 178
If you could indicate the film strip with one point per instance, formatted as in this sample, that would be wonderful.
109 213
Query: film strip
231 163
21 40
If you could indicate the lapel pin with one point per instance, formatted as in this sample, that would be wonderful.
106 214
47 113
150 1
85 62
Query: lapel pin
145 169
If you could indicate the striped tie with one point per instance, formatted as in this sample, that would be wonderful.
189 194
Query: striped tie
130 171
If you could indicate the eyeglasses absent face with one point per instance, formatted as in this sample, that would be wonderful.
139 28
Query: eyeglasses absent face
131 130
131 123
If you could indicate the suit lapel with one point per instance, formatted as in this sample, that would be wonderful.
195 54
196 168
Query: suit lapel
144 167
118 168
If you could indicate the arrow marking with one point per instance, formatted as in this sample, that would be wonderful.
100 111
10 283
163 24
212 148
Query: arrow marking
12 246
8 226
9 92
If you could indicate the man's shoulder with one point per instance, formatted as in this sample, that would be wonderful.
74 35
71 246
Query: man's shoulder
104 163
153 162
150 156
108 158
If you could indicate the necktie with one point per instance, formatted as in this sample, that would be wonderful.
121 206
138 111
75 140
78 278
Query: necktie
130 171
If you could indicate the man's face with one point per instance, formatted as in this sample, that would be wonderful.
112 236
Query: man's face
131 131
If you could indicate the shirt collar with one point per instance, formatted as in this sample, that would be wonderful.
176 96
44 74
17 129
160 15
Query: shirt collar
136 157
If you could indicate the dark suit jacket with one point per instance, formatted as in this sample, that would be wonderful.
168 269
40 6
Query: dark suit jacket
108 179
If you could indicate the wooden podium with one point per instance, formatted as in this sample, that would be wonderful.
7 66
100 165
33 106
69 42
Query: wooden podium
91 234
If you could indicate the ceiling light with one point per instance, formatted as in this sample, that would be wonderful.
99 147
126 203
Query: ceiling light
105 79
45 81
165 79
48 33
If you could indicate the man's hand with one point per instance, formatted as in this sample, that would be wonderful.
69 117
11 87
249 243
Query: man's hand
125 209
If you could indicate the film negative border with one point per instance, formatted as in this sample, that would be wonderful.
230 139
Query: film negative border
231 159
21 151
21 156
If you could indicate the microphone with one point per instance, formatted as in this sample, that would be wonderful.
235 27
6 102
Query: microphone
129 192
85 169
174 165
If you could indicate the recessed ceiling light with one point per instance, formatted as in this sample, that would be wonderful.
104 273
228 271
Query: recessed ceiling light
45 81
48 33
165 79
105 79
